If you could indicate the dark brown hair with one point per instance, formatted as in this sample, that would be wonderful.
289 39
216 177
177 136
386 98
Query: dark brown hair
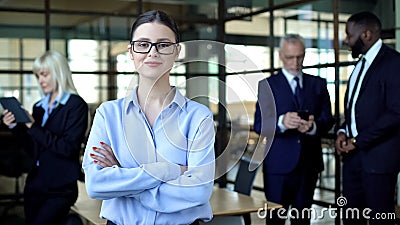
159 17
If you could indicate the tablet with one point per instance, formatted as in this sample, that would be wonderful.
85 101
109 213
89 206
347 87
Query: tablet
13 105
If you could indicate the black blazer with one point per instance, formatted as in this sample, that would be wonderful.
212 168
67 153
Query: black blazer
377 112
57 145
289 146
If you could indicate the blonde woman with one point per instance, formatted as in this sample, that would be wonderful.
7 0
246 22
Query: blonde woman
53 137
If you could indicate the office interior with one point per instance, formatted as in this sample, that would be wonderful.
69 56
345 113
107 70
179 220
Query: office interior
94 35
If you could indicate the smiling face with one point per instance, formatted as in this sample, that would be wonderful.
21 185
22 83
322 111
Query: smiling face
45 81
154 65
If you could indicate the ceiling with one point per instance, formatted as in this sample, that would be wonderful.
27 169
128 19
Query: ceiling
95 18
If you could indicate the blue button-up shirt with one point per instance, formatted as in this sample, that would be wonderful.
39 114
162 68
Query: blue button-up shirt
148 187
44 103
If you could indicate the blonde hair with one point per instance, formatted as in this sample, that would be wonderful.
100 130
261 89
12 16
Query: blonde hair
58 67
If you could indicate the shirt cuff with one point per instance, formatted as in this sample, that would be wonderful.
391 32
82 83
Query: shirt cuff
280 123
341 131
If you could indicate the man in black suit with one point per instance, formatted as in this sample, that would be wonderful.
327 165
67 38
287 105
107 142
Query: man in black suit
294 160
369 139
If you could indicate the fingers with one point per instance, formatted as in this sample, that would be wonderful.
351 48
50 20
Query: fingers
343 145
345 148
291 120
183 169
339 146
105 156
304 126
8 118
348 146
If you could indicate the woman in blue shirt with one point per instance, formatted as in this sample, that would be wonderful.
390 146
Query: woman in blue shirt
150 155
54 138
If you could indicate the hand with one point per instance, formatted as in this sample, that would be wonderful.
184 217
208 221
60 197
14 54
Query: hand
105 156
306 125
340 142
183 169
291 120
343 144
9 118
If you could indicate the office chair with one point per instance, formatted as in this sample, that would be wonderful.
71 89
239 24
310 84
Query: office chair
244 182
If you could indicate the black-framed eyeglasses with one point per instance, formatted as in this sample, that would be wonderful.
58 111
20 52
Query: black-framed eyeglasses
164 48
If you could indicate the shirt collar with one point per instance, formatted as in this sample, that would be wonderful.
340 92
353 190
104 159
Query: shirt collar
373 52
179 99
132 99
290 76
44 102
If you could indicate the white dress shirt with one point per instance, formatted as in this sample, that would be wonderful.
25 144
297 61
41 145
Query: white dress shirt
290 78
369 58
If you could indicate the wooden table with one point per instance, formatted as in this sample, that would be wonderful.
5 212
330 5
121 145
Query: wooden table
223 202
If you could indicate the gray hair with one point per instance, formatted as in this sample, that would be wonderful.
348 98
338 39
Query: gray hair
58 67
292 38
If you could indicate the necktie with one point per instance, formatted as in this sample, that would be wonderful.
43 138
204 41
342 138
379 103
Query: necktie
350 105
298 95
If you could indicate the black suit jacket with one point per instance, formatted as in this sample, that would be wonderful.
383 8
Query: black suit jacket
377 115
57 145
288 147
